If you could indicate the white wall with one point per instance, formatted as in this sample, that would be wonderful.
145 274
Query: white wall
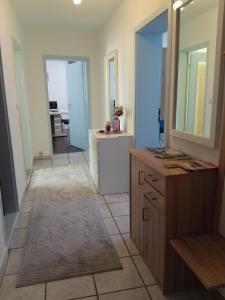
9 29
40 43
57 83
119 33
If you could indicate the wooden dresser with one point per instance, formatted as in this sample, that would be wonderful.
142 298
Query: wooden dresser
167 204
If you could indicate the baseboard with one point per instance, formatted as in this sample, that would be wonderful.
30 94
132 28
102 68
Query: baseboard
42 157
3 266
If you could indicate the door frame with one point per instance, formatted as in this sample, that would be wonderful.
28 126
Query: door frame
65 58
165 8
9 157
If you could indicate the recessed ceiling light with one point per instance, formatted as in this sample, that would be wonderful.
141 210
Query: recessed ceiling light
77 2
177 4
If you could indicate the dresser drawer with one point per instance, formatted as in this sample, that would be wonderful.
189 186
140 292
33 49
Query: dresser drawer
154 197
155 179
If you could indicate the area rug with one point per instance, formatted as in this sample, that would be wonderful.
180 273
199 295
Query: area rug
67 236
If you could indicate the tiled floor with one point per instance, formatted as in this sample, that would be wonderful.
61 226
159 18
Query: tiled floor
133 282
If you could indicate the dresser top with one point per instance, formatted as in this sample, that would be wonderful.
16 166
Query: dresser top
158 164
110 135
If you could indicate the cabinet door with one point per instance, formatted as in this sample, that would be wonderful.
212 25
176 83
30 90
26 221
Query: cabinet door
153 236
137 182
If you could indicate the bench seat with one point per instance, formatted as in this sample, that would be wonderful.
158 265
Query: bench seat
205 256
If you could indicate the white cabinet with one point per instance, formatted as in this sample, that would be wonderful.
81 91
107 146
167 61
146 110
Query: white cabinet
109 161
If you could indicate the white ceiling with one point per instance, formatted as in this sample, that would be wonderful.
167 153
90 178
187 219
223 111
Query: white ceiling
88 16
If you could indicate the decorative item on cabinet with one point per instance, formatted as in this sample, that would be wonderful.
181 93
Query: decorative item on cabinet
108 126
118 112
167 204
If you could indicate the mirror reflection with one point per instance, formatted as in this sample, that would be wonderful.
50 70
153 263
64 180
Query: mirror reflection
196 64
112 87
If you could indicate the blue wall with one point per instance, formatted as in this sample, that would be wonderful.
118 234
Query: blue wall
149 54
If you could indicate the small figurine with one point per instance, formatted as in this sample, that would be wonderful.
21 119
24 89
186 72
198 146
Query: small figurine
107 126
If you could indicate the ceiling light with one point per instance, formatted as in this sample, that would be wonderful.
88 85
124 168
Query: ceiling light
177 4
77 2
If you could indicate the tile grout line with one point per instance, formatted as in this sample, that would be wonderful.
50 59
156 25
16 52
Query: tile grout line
95 286
45 290
121 234
118 291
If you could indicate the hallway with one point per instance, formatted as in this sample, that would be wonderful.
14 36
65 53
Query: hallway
134 281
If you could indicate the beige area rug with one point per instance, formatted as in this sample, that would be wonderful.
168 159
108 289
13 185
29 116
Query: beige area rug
67 236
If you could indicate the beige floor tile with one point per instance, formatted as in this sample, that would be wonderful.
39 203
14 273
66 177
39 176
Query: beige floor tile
30 194
105 211
19 238
8 291
120 209
23 220
130 244
79 287
144 270
123 223
60 162
117 198
119 280
44 163
60 156
120 245
111 226
135 294
88 298
14 261
26 207
156 294
99 199
76 155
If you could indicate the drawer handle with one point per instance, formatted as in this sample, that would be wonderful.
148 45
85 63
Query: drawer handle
140 174
154 198
143 214
155 180
150 175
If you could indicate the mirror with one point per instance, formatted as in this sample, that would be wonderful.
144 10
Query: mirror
198 21
111 84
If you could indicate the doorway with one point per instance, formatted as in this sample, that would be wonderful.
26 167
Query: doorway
67 81
150 83
7 173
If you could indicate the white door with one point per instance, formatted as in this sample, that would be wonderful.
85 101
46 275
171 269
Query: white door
78 103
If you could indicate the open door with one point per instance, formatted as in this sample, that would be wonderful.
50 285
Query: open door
78 103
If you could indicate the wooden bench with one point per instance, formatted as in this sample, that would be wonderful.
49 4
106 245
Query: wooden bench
205 256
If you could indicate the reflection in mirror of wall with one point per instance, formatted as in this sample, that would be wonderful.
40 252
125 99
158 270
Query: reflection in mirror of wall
112 87
111 84
196 63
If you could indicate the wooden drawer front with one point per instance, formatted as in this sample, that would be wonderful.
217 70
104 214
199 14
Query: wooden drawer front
154 197
155 179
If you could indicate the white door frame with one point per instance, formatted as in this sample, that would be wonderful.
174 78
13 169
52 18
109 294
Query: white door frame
64 58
